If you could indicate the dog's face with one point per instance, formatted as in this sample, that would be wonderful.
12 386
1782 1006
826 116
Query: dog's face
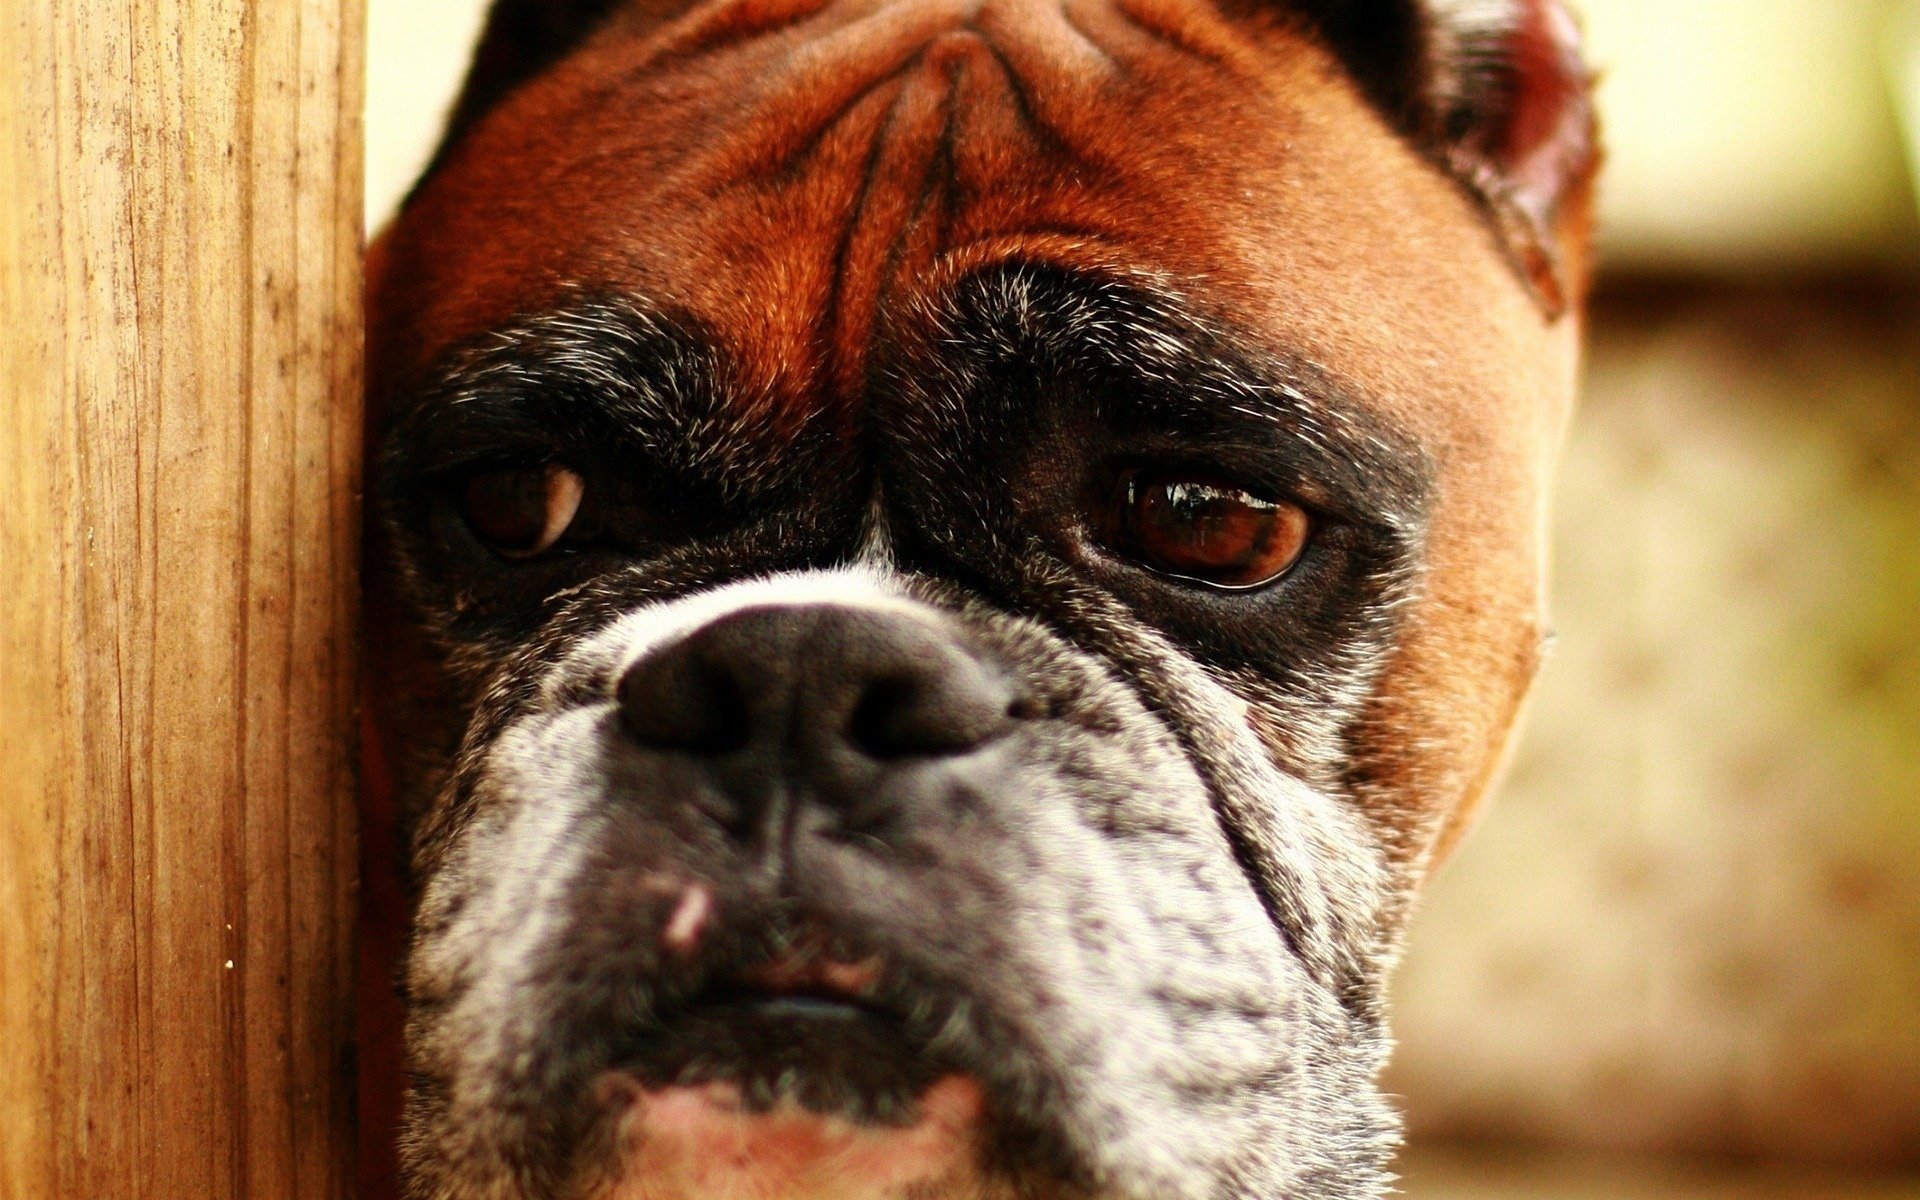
944 568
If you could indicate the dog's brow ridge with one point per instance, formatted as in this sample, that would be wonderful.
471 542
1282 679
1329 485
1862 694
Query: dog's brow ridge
1142 330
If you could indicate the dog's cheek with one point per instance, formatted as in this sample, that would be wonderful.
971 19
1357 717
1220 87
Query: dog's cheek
702 1143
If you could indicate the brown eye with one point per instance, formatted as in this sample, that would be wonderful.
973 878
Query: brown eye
521 511
1199 529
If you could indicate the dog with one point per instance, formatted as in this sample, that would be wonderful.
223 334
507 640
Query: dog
942 570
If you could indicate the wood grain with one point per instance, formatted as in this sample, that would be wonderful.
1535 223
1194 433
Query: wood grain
179 474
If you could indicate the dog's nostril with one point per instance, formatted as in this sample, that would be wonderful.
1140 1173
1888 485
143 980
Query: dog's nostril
945 712
887 723
679 702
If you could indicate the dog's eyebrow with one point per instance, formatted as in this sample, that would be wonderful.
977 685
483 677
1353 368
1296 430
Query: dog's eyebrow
599 368
1261 405
1150 363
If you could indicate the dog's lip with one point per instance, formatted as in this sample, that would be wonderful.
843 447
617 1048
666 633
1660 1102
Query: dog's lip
811 975
798 986
791 1005
827 1031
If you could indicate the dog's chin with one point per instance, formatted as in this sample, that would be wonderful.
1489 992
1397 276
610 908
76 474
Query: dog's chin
712 1142
794 1080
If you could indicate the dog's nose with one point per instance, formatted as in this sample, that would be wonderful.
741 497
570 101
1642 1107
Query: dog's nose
826 701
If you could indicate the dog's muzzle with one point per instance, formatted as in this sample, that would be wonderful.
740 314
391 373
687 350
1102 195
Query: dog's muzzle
865 889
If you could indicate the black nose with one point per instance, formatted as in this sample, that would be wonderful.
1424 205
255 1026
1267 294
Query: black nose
836 704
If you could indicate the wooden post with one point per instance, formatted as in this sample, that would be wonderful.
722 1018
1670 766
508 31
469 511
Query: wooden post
180 355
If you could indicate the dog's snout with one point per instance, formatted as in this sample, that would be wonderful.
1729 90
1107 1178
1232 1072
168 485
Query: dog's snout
825 700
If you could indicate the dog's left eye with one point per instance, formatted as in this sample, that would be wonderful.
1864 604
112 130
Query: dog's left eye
1203 530
521 511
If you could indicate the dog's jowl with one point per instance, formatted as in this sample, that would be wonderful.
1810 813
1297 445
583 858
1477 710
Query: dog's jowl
943 571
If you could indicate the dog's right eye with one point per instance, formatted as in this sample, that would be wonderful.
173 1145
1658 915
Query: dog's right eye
1204 531
521 511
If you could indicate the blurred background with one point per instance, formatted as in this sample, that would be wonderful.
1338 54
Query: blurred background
1681 955
1680 958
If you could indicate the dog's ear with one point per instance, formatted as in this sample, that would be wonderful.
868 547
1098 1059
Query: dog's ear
521 39
1512 104
1383 44
1497 92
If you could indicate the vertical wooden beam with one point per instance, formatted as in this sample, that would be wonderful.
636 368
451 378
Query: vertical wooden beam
180 239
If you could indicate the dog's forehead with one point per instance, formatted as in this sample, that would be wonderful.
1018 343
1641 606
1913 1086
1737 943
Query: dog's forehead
787 174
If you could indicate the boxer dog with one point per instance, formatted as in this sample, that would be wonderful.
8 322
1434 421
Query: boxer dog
945 568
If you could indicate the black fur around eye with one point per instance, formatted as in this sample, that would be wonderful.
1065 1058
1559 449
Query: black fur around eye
521 511
1203 530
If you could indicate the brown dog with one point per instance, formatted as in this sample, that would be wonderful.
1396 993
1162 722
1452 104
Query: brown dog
945 569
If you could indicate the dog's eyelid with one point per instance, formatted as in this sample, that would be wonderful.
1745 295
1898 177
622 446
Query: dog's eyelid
1274 469
455 470
443 445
